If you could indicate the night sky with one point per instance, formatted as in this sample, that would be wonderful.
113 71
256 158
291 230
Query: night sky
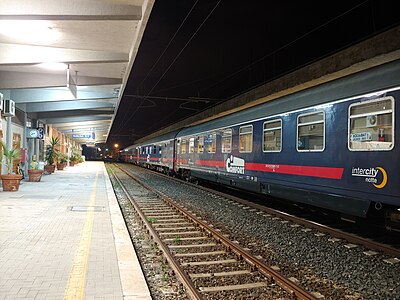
195 54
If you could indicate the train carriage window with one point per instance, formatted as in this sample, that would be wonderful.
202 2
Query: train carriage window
191 145
210 143
226 141
200 144
183 146
246 139
272 137
371 125
311 132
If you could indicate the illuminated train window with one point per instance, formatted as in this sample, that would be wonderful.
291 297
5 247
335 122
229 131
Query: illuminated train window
246 139
272 136
371 125
226 141
311 132
200 144
191 145
183 146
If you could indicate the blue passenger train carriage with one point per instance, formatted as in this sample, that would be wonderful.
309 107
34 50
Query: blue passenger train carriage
156 153
333 146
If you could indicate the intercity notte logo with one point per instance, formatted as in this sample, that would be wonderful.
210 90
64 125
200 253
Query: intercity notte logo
235 165
371 175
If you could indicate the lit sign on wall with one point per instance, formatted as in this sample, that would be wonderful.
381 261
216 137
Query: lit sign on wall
81 136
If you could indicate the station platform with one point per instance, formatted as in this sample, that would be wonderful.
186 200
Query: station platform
65 238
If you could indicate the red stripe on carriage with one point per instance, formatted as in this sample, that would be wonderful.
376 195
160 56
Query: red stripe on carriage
322 172
151 159
310 171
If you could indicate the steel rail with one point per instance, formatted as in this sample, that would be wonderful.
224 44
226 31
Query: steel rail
191 290
314 225
285 283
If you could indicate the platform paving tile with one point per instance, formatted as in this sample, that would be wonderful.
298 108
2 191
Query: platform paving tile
48 250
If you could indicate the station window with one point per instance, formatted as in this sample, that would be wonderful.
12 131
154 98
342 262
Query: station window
200 144
211 143
246 138
311 132
371 125
272 137
183 146
226 141
191 145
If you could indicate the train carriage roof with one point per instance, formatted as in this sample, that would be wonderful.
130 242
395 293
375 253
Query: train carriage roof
379 78
165 137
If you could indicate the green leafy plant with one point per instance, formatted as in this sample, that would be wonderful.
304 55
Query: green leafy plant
177 239
52 151
152 220
34 165
61 157
165 277
8 156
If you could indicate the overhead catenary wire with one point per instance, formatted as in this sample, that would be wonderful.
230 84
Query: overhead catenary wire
155 63
172 63
284 46
262 59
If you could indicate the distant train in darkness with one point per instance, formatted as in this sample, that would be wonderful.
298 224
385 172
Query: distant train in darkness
334 146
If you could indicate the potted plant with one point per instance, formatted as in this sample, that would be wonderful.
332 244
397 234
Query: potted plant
51 155
35 174
61 161
78 158
73 159
10 180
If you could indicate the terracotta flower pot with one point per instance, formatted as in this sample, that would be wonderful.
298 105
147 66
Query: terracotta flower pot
60 166
11 182
49 169
35 175
72 163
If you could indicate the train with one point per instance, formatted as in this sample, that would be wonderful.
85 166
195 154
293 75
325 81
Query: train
333 146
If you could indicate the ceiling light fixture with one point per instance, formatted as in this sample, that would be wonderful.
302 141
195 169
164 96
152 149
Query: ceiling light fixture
33 31
53 66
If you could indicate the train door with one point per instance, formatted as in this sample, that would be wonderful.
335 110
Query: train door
176 150
191 150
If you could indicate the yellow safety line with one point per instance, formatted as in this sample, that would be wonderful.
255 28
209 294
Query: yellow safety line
75 288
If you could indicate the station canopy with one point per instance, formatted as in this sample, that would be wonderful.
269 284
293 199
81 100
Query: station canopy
66 63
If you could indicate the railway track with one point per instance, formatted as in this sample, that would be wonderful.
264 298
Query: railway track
207 263
335 233
304 222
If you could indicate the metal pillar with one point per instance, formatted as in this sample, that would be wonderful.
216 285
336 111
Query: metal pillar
25 144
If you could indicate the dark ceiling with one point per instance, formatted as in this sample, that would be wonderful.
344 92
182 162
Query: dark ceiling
195 54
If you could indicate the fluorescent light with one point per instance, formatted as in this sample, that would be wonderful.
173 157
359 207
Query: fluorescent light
53 66
34 31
